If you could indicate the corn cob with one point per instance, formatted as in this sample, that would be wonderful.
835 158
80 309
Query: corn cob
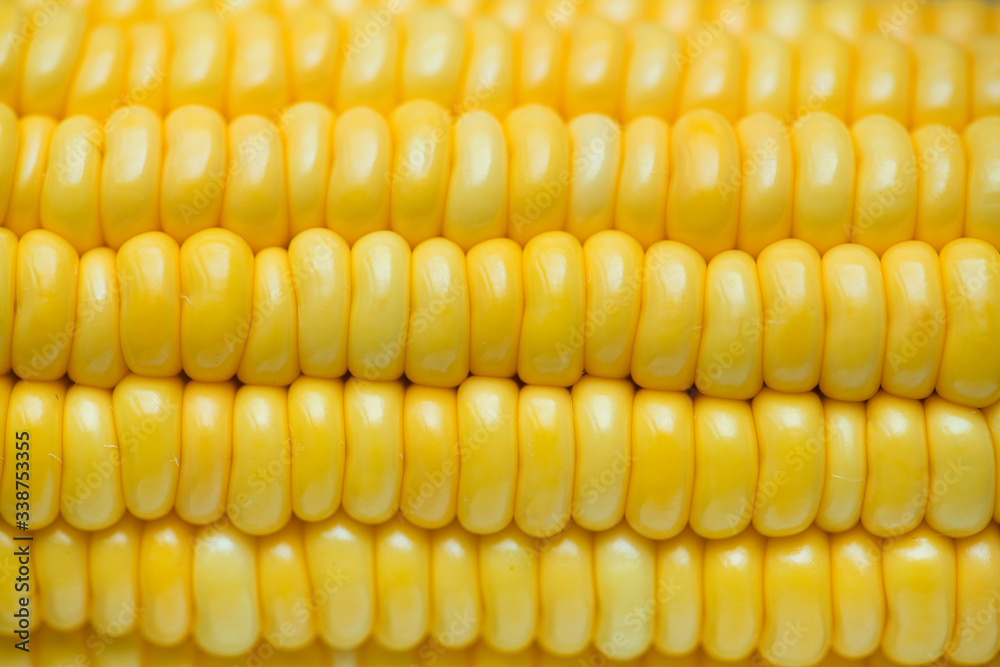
257 64
489 454
915 596
916 323
703 182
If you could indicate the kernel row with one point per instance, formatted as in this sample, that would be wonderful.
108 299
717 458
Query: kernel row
919 596
702 181
491 454
914 323
960 20
254 63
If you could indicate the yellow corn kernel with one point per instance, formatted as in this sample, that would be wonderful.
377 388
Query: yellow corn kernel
224 593
285 591
915 312
313 43
982 200
373 472
321 270
566 593
70 193
791 442
885 203
146 67
99 74
306 129
33 452
488 83
317 439
8 296
734 587
255 203
488 449
149 287
341 557
595 148
92 496
882 81
34 135
198 63
823 82
260 477
793 324
823 154
962 468
206 451
602 411
437 352
941 185
402 595
730 360
594 61
668 335
977 584
970 366
258 76
767 80
431 60
496 307
194 171
60 561
679 592
661 475
216 288
476 206
96 357
12 56
846 465
538 145
546 460
165 590
641 200
454 576
940 92
8 157
509 574
726 458
44 312
148 423
130 175
854 300
624 573
613 265
357 198
380 305
11 597
712 78
114 573
985 76
859 605
538 69
920 596
50 61
271 355
429 492
797 593
651 85
703 202
553 328
368 74
898 472
766 192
